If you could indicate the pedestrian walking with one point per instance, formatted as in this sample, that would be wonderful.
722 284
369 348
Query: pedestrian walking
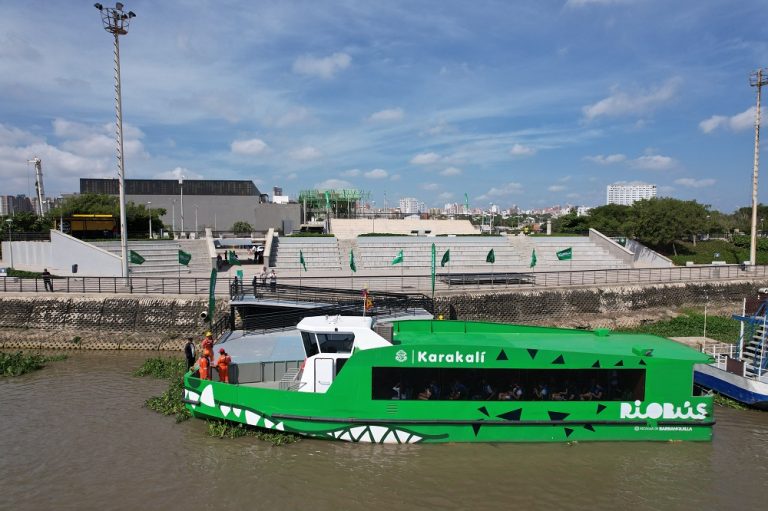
47 282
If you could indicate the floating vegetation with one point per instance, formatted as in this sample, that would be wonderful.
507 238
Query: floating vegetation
691 324
170 401
16 364
722 400
223 429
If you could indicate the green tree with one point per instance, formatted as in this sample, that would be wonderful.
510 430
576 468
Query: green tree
611 219
136 215
660 221
571 223
243 228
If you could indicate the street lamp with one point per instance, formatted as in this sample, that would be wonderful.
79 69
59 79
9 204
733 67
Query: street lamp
10 239
149 208
116 21
173 216
181 196
195 219
373 209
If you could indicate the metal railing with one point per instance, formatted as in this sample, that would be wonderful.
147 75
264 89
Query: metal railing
409 282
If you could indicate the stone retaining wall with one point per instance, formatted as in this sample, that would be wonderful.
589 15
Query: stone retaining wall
100 322
592 308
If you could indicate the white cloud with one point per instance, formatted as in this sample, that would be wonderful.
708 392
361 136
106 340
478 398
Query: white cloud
451 171
394 177
440 128
178 173
10 135
609 159
556 188
430 186
377 174
622 103
387 115
653 162
507 189
522 150
425 159
292 117
445 196
738 122
251 146
333 183
306 153
351 173
695 183
324 67
292 176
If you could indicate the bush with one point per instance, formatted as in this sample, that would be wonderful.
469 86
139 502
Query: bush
16 364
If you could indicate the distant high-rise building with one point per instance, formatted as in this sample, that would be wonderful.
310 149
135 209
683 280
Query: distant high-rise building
626 195
11 204
277 190
411 206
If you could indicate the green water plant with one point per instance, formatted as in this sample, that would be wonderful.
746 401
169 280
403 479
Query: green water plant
170 401
18 363
223 429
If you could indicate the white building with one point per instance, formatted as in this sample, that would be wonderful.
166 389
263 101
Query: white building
410 206
626 195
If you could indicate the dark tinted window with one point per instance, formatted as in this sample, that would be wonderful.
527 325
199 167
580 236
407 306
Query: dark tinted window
508 384
336 342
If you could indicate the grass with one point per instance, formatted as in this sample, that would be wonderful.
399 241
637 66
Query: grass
704 253
16 364
170 402
691 324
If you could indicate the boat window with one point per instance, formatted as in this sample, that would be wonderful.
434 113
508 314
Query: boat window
336 342
431 384
310 344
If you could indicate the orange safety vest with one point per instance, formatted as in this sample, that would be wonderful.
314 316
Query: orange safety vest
222 365
208 348
204 364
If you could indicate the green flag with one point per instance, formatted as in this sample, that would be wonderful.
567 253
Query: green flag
565 254
352 261
533 258
433 268
446 258
211 296
327 199
232 259
398 258
491 257
301 260
135 257
184 257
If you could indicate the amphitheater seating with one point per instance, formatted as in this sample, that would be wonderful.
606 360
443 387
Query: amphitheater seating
586 254
321 253
162 257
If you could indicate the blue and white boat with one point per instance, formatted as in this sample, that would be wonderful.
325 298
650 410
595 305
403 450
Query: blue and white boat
740 371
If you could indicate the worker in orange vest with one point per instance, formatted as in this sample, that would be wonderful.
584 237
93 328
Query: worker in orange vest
222 364
208 346
205 367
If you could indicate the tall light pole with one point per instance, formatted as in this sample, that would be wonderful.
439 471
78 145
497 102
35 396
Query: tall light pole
10 239
149 208
173 216
116 21
195 219
756 79
373 209
181 205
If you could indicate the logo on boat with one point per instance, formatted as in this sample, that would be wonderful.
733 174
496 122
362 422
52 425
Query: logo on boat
663 411
451 358
401 356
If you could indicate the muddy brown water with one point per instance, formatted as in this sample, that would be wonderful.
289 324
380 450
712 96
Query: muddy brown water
75 436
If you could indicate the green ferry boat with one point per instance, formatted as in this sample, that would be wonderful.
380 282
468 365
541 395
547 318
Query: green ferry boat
459 381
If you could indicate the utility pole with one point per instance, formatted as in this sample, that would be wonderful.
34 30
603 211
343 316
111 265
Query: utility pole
41 204
116 22
756 79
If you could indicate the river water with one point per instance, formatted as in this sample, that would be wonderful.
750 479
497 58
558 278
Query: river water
75 436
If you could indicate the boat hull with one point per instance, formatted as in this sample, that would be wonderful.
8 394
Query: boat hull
400 422
744 390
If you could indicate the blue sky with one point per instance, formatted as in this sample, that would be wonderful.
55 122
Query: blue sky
531 103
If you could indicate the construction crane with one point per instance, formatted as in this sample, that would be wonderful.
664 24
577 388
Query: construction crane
42 206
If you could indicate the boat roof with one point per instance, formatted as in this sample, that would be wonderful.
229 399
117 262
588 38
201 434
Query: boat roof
601 340
334 323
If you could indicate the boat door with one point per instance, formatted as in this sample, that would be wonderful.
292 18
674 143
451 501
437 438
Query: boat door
323 374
